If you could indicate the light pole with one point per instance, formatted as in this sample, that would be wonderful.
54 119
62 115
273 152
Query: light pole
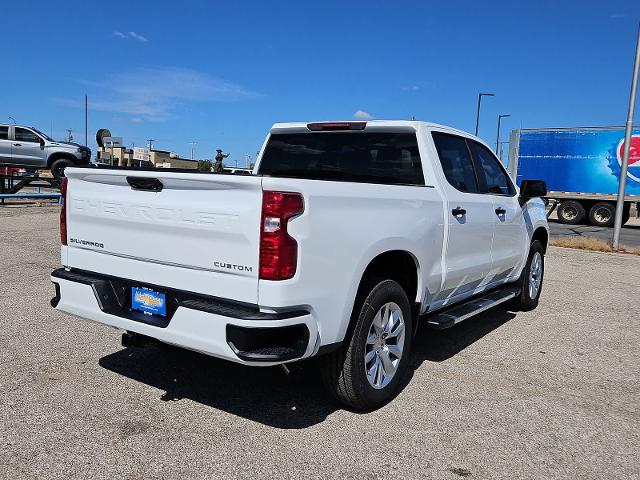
480 95
617 225
500 117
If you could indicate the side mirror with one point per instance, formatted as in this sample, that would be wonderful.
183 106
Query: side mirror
533 188
42 143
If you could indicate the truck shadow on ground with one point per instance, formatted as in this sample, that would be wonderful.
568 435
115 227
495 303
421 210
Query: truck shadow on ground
268 395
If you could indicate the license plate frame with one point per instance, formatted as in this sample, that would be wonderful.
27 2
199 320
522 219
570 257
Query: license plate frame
149 301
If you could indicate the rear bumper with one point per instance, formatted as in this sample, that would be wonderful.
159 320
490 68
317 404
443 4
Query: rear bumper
228 330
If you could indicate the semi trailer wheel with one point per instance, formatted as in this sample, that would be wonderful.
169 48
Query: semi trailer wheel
571 212
602 214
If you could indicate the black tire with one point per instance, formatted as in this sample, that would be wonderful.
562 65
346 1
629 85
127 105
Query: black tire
602 214
58 166
343 371
525 301
626 213
571 212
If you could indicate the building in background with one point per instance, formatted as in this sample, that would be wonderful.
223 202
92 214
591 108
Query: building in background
124 157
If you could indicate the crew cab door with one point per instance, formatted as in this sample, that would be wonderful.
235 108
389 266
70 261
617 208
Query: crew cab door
5 145
26 148
471 222
510 234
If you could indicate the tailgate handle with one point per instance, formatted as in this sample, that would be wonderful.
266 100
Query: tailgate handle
145 183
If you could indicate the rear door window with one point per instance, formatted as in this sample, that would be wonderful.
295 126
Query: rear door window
364 157
493 175
4 133
456 161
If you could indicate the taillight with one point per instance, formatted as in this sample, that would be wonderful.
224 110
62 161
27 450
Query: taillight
278 250
63 211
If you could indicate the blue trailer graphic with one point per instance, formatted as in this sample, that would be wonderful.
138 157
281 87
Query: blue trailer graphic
581 167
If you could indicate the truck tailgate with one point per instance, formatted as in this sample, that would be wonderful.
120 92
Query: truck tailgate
200 232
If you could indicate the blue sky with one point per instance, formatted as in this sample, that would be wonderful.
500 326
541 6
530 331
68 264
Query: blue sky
221 73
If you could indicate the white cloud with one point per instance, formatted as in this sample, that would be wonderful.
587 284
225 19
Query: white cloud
361 114
136 120
133 35
154 93
618 15
411 88
138 37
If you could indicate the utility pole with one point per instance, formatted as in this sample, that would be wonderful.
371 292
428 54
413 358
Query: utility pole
500 117
69 135
150 142
86 121
480 95
627 145
193 144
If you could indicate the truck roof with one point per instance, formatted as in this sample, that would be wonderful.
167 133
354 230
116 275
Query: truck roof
377 123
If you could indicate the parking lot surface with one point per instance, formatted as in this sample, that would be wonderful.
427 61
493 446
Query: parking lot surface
551 393
629 233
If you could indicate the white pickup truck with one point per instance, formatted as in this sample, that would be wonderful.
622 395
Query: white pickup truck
343 237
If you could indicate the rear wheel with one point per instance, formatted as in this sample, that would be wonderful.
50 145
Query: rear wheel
626 213
602 214
367 371
58 167
531 279
571 212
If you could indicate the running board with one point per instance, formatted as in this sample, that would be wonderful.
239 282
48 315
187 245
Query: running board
458 313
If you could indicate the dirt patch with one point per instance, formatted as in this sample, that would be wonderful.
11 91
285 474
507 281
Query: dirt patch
590 243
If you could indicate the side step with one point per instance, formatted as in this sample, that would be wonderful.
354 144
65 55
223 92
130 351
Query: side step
460 312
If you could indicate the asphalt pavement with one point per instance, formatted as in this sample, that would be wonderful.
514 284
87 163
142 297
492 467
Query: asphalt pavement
629 233
548 394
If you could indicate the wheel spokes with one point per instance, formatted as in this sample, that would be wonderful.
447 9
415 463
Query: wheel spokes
384 345
396 331
369 356
387 364
395 350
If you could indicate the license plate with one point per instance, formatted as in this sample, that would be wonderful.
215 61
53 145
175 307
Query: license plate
148 301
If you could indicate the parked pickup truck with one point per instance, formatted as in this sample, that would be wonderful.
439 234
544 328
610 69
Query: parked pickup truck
343 237
30 148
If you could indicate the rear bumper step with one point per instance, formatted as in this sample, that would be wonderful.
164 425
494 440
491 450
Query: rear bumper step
457 313
224 329
113 293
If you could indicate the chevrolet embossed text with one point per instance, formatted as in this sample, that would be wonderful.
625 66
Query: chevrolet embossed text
149 213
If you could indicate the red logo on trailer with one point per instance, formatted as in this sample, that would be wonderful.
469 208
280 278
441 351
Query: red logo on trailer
634 157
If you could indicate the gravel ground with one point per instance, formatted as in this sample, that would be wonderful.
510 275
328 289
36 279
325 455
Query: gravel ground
550 394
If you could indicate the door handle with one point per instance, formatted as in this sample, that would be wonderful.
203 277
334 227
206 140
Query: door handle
458 212
17 144
145 183
500 211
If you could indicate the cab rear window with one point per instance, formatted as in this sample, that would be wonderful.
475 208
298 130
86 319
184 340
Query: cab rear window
382 158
